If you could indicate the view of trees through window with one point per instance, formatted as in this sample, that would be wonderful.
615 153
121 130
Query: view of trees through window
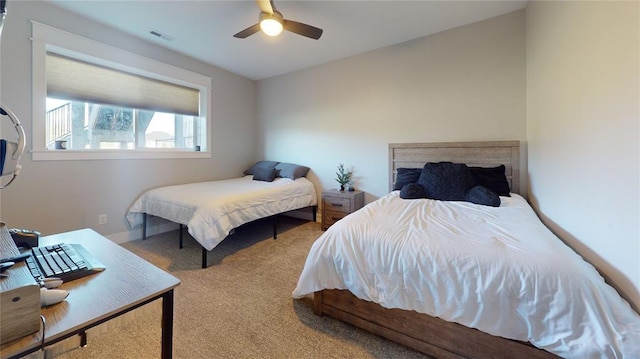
97 126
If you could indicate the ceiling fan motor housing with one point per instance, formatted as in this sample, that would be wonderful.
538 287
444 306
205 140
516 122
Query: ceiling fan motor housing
277 16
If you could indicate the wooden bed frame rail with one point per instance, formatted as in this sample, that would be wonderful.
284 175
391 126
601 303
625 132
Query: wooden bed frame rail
429 335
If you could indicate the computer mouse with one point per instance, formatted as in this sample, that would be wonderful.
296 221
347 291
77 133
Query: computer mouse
51 282
52 296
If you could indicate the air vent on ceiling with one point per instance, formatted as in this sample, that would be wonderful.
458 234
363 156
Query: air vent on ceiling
161 35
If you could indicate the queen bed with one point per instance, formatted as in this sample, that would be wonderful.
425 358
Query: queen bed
455 279
212 210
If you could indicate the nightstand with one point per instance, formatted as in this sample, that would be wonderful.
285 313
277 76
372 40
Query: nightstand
337 204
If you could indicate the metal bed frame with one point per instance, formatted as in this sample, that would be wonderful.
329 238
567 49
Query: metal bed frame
274 218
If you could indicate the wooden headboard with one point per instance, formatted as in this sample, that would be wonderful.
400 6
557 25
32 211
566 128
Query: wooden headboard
479 154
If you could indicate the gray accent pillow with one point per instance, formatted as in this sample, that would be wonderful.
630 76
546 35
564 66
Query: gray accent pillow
291 170
266 174
482 195
266 164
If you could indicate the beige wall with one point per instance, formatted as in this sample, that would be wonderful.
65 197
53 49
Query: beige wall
462 84
56 196
583 130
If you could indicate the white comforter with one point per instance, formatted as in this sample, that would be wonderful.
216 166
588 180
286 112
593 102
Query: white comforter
499 270
212 209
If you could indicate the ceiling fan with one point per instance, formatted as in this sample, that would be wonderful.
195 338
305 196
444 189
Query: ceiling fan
272 23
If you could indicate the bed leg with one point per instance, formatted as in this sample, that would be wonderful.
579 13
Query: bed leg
275 226
204 258
317 303
314 209
181 244
144 226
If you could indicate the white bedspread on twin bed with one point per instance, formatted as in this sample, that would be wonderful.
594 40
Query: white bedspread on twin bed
212 209
499 270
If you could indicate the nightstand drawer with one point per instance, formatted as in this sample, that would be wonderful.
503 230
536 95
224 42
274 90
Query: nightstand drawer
333 217
337 204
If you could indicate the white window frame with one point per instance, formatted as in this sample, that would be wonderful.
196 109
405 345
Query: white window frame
49 39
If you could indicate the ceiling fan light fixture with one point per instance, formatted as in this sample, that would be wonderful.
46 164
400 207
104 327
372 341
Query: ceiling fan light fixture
271 24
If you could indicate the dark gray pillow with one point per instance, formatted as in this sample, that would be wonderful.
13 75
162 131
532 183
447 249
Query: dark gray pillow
446 181
266 174
482 195
291 170
266 164
493 178
412 191
405 176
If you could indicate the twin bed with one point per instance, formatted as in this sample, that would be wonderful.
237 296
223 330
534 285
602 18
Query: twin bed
212 210
454 279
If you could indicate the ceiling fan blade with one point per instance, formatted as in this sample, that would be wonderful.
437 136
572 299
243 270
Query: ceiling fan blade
303 29
266 6
248 31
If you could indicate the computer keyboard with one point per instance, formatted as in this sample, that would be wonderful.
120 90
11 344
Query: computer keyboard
64 261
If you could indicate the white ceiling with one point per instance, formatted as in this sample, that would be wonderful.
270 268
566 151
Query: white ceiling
204 29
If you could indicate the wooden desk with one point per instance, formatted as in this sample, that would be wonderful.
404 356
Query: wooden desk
127 283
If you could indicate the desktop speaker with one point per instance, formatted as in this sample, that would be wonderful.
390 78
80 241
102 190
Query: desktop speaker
19 296
19 311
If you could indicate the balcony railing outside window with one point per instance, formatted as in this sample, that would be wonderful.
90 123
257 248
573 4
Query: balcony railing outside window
93 126
58 124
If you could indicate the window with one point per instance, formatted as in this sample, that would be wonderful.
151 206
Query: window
86 125
91 96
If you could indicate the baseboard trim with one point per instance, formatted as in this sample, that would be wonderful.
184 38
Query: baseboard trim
136 233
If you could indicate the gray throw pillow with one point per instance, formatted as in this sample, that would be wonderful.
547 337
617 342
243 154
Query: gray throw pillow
266 174
291 170
267 164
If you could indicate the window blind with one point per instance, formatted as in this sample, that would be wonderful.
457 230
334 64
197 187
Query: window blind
75 80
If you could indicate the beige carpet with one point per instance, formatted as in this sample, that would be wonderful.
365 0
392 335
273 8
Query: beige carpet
239 307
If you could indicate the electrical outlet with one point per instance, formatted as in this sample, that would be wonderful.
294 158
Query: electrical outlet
102 219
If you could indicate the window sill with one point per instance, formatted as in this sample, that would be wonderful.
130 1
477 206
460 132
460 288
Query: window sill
70 155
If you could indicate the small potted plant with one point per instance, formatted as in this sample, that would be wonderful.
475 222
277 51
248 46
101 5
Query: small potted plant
343 176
